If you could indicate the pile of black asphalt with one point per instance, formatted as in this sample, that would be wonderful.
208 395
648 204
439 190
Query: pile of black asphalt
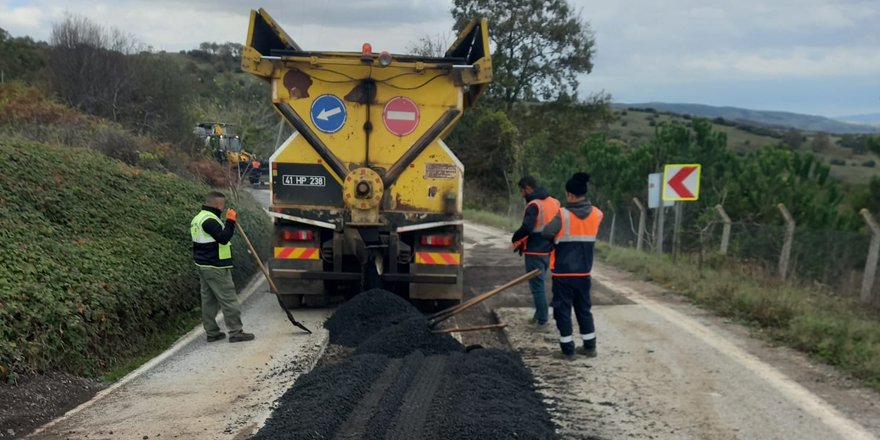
405 382
408 336
365 315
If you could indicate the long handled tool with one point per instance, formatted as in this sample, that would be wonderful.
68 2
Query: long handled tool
454 310
269 279
470 329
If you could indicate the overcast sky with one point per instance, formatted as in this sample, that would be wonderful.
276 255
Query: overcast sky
806 56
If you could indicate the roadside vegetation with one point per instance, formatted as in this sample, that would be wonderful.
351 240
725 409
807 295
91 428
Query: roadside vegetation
836 330
100 175
97 257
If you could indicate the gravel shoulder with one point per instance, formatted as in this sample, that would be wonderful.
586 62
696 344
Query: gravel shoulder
201 390
666 368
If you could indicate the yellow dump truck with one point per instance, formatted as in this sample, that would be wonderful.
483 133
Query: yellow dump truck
365 193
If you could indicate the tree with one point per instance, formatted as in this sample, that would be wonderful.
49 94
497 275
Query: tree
540 46
22 58
108 73
793 139
821 143
430 45
485 141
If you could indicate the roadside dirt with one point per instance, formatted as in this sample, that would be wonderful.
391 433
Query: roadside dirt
35 400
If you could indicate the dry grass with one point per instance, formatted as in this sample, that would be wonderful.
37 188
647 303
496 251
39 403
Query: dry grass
836 330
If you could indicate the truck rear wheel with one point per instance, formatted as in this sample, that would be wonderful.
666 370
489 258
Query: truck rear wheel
291 301
315 301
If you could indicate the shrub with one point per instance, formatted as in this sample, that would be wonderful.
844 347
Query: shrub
97 257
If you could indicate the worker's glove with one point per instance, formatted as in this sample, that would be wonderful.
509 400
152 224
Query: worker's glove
519 245
231 215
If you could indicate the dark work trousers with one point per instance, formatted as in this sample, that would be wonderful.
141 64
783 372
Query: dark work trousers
568 292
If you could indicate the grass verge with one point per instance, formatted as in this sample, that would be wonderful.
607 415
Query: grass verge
838 331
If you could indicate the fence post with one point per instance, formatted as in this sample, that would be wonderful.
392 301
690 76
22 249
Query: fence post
613 223
789 238
873 255
725 233
642 214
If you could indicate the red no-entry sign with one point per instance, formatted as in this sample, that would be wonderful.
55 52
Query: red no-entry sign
401 116
681 182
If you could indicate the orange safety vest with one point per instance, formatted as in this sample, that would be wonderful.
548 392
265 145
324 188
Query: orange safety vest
573 244
547 209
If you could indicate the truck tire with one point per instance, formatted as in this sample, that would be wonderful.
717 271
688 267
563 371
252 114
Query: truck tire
315 301
291 301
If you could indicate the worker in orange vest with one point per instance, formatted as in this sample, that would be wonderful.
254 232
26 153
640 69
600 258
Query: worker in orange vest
574 232
527 240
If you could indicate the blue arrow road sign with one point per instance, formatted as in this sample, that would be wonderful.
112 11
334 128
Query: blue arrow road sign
328 113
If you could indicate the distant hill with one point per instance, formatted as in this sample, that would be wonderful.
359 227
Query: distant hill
868 118
771 118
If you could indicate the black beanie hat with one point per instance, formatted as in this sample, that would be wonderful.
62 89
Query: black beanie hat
577 185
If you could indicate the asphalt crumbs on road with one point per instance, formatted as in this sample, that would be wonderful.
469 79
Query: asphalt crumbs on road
404 382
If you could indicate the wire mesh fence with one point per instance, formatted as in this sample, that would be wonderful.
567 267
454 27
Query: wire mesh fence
829 258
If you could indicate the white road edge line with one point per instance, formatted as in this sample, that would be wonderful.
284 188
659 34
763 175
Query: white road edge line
183 341
796 393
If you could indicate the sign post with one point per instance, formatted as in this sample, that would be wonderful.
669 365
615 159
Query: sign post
655 184
681 183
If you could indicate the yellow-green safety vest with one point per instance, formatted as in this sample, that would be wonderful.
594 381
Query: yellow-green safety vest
200 237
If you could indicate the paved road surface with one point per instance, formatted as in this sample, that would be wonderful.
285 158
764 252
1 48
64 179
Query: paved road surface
670 370
666 370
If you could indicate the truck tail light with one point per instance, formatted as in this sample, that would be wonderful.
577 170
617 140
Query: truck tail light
297 235
438 240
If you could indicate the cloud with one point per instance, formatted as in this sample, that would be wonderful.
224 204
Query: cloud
22 18
648 50
175 25
713 51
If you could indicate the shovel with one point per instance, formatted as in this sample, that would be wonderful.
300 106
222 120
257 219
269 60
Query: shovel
445 314
269 279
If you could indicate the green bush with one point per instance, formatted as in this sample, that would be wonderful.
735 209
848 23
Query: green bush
96 257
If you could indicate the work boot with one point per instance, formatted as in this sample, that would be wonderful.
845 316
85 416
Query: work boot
588 352
241 337
217 337
567 348
562 356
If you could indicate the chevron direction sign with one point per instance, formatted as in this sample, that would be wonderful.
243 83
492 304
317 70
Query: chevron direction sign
681 182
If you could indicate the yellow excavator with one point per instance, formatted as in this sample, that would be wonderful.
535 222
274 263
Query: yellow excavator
224 147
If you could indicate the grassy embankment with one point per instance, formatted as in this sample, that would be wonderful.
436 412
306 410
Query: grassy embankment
97 274
837 331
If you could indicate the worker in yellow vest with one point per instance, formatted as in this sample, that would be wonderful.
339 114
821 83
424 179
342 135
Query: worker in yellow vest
213 257
574 232
540 209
